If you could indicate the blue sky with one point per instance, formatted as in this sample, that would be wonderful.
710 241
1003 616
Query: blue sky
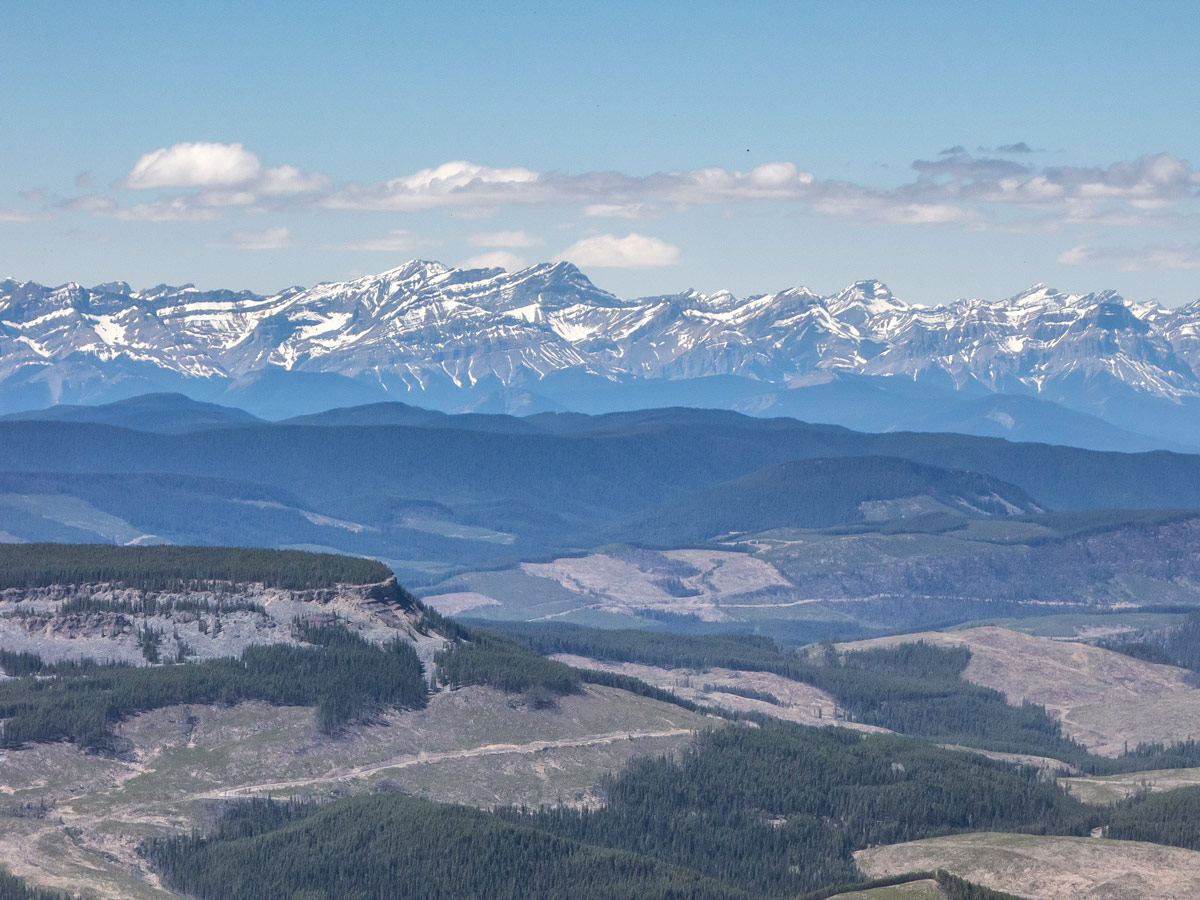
949 149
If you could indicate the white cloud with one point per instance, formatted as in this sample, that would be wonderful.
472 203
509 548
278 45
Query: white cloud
168 209
955 188
203 164
197 164
1146 182
502 259
634 251
459 173
504 239
398 241
291 180
465 184
621 211
1175 255
19 215
882 211
272 238
450 184
222 198
778 174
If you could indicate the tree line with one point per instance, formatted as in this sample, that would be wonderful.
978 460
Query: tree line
344 676
766 811
159 568
913 688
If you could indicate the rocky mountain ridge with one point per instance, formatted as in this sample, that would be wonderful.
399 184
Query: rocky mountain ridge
424 330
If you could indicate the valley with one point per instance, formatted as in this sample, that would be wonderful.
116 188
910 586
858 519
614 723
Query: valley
503 729
600 614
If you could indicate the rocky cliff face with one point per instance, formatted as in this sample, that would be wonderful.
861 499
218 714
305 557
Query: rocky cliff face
110 622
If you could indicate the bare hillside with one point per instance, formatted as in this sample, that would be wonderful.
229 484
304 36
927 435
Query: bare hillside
1048 868
72 820
1104 699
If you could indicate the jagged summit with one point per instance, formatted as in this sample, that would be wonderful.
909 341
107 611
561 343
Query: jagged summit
423 326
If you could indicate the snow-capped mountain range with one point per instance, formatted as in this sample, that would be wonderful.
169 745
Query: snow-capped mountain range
424 331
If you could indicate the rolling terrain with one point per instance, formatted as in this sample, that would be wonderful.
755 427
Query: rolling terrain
952 524
250 674
1091 573
74 815
503 748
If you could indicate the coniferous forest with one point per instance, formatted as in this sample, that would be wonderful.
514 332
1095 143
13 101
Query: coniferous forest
341 674
915 689
753 808
767 810
158 568
12 888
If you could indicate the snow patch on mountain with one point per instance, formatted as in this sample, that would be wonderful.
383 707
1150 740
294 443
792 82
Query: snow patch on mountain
424 323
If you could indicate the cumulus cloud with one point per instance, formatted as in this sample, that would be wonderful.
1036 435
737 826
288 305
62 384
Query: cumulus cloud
452 183
272 238
202 164
198 164
398 241
497 259
954 188
634 251
974 186
291 180
1175 255
1146 182
1129 193
504 239
468 185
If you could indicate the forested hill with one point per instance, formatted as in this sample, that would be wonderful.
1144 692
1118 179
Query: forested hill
91 634
164 413
631 466
437 500
817 493
164 567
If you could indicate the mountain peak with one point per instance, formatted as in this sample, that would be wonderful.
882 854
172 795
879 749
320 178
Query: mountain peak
862 300
561 271
423 326
872 287
414 268
120 288
1036 295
